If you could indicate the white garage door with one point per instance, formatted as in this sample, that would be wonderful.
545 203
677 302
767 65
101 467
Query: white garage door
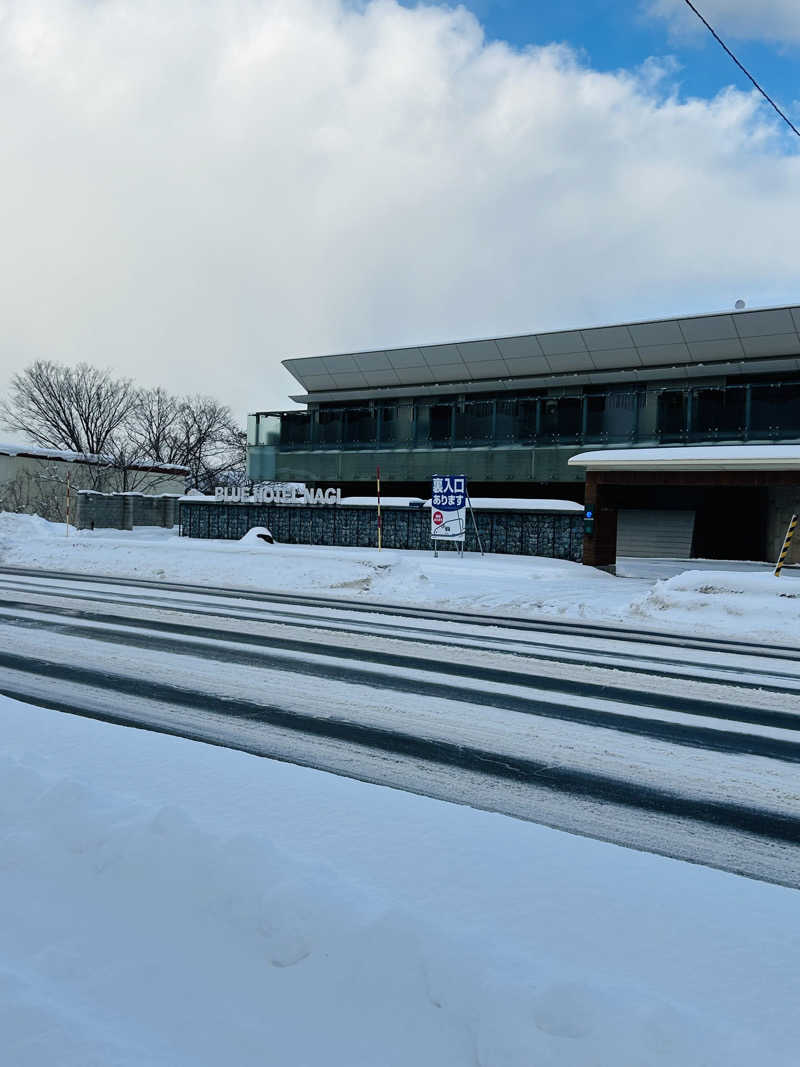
658 534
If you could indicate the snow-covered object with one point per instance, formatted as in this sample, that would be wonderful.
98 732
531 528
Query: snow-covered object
386 501
182 905
478 503
67 456
257 535
511 503
692 457
764 610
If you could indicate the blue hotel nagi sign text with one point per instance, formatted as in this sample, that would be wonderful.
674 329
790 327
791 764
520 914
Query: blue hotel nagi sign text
449 507
276 494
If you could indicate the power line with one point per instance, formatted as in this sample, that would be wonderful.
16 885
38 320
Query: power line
742 68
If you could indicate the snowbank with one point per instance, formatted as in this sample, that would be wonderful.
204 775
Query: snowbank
727 601
718 603
169 903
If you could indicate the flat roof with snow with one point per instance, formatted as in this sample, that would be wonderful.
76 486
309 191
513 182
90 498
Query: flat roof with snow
694 457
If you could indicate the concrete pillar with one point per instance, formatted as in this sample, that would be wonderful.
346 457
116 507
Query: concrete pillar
169 505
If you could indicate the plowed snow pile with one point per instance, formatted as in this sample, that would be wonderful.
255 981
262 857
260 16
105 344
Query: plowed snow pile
179 905
750 607
726 601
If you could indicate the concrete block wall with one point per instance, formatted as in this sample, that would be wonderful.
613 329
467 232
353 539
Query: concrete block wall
123 511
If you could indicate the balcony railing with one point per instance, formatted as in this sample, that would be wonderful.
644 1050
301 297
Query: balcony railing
750 412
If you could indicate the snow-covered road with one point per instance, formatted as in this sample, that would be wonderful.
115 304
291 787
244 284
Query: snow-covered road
683 746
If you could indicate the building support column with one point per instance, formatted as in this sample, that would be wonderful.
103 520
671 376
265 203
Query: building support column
600 548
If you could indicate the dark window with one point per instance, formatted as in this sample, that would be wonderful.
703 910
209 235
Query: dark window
330 426
596 428
396 424
527 419
672 415
507 419
295 428
718 413
440 424
359 426
561 416
775 410
477 423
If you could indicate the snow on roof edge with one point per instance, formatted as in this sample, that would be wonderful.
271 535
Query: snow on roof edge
65 455
773 456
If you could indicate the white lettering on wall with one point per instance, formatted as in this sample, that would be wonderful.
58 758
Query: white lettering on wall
280 494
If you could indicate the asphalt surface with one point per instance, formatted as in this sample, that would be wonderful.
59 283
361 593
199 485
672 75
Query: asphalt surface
673 744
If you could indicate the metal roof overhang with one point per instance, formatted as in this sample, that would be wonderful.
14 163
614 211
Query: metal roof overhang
739 342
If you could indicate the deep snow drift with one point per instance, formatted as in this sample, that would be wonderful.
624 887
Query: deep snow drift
754 607
169 903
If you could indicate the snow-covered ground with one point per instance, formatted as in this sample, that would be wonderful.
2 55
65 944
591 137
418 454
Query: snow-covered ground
170 903
751 606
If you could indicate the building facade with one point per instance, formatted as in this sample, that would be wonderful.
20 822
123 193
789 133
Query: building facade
511 412
42 481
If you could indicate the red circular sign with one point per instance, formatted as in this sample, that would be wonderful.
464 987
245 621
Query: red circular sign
438 518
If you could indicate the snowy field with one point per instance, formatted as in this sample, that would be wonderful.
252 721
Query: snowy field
750 605
170 903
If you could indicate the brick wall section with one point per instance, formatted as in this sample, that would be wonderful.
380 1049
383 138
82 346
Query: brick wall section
123 511
528 533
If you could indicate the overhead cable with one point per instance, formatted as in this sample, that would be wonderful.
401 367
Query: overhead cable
742 68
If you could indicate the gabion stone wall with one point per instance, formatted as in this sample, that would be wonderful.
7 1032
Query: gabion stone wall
526 533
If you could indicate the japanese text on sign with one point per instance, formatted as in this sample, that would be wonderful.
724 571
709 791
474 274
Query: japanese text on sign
449 507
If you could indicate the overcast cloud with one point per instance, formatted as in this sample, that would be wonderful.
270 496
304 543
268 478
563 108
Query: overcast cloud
760 20
192 191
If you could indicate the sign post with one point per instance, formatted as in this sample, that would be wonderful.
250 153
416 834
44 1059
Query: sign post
474 523
449 510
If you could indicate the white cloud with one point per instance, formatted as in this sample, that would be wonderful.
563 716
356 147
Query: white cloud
190 192
776 21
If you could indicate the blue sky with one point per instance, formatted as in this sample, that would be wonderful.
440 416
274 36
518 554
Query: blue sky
191 200
615 34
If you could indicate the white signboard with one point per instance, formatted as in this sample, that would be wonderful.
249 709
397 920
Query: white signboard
449 507
276 494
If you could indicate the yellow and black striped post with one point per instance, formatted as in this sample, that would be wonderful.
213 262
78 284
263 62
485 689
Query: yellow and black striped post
787 544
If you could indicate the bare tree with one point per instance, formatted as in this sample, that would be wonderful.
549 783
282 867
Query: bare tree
209 435
86 410
77 408
154 426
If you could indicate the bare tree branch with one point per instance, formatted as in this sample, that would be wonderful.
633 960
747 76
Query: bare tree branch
86 410
76 408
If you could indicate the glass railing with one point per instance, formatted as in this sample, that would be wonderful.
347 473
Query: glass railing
753 412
